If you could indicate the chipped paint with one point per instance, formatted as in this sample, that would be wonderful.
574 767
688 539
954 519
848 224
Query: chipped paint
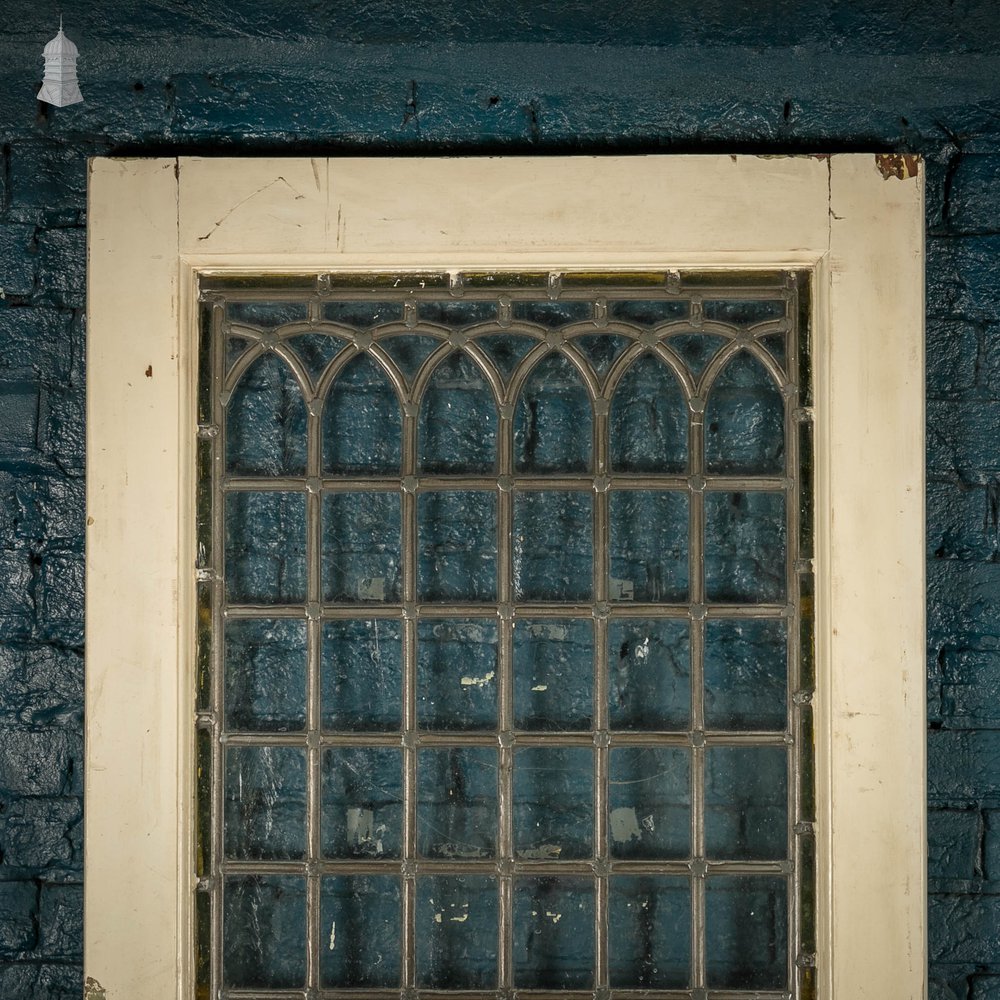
902 166
545 852
479 682
624 825
540 687
554 917
93 990
333 935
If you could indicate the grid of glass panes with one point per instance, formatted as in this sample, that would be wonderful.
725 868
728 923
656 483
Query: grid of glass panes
505 645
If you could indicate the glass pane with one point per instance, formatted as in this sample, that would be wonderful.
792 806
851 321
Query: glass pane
744 420
456 931
265 817
552 422
266 422
264 932
457 674
362 429
649 665
650 802
364 313
265 548
265 675
457 312
647 312
457 802
553 674
745 674
649 546
746 921
696 349
362 682
649 420
457 545
361 932
746 803
362 802
743 312
553 546
506 350
649 932
266 314
553 802
458 419
316 351
361 542
409 351
601 350
553 314
745 547
554 933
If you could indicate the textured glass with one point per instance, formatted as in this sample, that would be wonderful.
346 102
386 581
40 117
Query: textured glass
362 679
696 350
361 547
777 347
601 350
457 559
649 546
266 314
361 932
457 674
458 419
647 312
457 802
409 351
265 675
554 313
264 932
743 312
362 424
235 346
553 674
649 928
316 351
363 313
265 803
552 420
265 547
746 803
554 933
553 802
456 932
649 420
744 420
650 802
746 674
649 673
745 547
458 313
266 422
746 921
362 802
553 546
506 350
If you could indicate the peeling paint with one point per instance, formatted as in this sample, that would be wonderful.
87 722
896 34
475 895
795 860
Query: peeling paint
540 687
899 165
333 935
93 990
478 681
544 852
624 825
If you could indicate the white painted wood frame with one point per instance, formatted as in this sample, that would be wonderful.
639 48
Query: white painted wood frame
855 220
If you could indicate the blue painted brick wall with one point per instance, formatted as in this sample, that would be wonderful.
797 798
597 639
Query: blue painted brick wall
543 76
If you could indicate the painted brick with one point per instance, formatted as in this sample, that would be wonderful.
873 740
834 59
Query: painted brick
39 835
962 602
19 403
954 838
970 688
17 259
963 519
61 922
36 343
62 255
962 278
965 929
18 917
59 600
41 981
963 765
44 762
42 686
17 609
47 181
961 438
61 428
975 195
953 357
949 983
985 988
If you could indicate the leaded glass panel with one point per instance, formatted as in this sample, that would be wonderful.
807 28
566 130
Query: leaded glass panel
505 637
